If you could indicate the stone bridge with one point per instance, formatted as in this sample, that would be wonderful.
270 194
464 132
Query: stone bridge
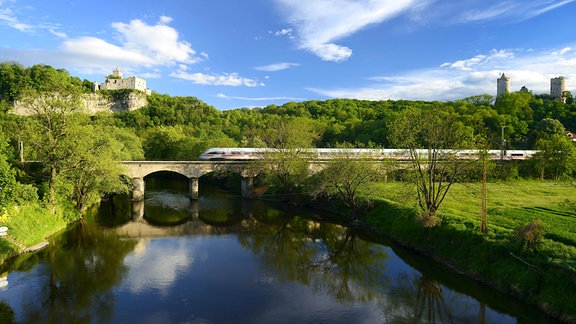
193 170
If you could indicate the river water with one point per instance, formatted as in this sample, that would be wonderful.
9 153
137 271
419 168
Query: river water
227 260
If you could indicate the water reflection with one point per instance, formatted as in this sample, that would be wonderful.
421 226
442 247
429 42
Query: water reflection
229 261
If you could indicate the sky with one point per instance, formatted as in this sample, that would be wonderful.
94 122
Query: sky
253 53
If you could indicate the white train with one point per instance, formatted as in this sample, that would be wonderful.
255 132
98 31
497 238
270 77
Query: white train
228 153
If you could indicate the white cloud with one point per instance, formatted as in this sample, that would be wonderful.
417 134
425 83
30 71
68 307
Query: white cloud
8 17
225 79
158 42
57 33
468 77
224 96
276 67
515 10
99 51
283 32
318 24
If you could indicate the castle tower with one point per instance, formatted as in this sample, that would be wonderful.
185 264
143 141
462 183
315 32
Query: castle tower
117 72
502 85
558 88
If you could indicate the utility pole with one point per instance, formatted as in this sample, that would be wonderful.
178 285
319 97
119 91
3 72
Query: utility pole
21 150
503 149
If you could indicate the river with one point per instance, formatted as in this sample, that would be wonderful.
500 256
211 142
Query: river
227 260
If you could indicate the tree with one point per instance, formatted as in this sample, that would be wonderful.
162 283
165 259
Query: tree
432 139
81 160
96 170
287 166
52 133
556 156
344 176
7 176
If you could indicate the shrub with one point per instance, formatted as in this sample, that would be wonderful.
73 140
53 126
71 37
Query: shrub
530 236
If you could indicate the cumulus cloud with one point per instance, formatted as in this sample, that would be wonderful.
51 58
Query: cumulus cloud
276 67
320 23
158 42
137 44
467 77
224 79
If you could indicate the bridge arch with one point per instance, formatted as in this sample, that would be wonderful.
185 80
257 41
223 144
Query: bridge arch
193 170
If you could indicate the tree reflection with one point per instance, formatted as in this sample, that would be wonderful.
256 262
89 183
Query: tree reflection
423 299
82 268
430 305
326 257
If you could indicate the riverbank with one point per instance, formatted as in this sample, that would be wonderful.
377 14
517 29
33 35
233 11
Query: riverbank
544 276
29 226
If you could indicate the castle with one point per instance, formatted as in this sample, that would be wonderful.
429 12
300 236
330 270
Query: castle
115 81
557 87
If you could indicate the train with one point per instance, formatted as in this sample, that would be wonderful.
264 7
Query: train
246 154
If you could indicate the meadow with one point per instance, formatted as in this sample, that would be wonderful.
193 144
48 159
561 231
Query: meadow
543 274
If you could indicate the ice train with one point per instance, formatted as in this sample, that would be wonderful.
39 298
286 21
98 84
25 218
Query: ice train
239 154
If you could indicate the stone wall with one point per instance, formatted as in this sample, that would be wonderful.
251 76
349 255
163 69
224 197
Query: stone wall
98 102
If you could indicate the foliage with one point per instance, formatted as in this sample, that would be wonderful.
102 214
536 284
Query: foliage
530 236
440 136
15 80
7 177
287 167
343 177
556 156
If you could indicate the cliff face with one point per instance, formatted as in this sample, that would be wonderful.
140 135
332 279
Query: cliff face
98 102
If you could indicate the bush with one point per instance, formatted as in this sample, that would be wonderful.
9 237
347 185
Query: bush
530 236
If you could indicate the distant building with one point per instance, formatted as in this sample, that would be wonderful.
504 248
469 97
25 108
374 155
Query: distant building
115 81
502 85
558 88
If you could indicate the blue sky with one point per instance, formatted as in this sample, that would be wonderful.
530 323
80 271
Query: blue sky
252 53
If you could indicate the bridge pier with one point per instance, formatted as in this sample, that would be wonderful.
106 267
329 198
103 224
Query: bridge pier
193 188
138 210
247 185
138 186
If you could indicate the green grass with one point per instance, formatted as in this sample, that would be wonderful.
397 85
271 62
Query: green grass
27 225
545 276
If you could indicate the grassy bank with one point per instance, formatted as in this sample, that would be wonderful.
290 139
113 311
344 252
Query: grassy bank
29 225
545 275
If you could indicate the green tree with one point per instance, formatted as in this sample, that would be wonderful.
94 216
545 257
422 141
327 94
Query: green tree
96 170
52 132
80 155
432 139
287 167
556 157
7 176
344 177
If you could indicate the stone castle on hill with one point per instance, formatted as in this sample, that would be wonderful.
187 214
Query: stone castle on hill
557 87
115 81
96 102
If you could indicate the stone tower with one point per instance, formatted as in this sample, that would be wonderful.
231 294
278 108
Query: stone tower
502 85
117 73
557 88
